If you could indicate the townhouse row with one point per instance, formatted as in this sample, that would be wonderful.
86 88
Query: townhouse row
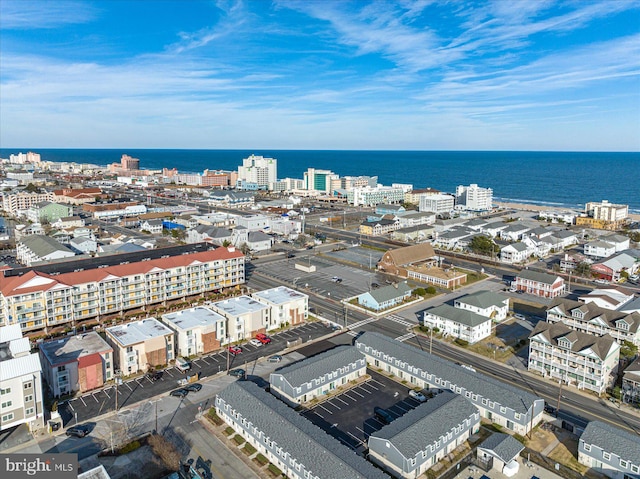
42 297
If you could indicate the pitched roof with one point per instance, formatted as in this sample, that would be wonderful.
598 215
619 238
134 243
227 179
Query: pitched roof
312 447
317 366
613 440
412 254
504 446
484 299
537 276
427 423
553 332
591 312
458 315
43 245
504 394
388 293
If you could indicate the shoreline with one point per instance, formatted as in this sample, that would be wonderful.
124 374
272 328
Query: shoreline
538 208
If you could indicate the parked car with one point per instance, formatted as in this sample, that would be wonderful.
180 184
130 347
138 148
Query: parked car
193 387
375 285
182 364
255 342
78 431
291 255
276 358
601 281
235 350
237 373
263 338
154 375
382 415
179 393
519 316
417 395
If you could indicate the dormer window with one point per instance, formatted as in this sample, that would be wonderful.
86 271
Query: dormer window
564 343
576 313
622 325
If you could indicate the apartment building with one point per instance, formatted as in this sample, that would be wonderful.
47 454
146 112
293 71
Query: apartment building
141 345
516 253
416 441
319 180
603 215
21 398
14 203
245 315
47 211
503 404
296 446
474 198
114 210
50 295
458 323
38 248
414 196
79 362
259 170
368 196
198 330
318 375
287 306
610 450
578 359
599 249
631 383
78 196
438 204
539 284
485 303
593 319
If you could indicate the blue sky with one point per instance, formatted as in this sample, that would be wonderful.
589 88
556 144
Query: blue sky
321 74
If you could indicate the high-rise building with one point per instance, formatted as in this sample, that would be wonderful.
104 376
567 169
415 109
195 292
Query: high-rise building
129 163
259 170
474 198
319 180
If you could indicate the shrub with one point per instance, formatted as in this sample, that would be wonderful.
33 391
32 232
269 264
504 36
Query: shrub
431 290
238 439
249 449
419 292
166 451
461 342
274 470
214 418
132 446
228 431
261 459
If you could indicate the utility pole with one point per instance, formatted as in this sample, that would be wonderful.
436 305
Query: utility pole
431 341
559 396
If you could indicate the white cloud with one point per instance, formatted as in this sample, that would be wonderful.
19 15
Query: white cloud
37 14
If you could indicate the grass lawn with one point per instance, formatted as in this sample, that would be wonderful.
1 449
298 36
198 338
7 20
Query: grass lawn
566 453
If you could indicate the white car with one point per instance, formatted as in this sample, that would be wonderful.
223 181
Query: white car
255 342
417 395
519 316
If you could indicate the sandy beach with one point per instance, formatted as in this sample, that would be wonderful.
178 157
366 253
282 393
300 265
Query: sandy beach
529 207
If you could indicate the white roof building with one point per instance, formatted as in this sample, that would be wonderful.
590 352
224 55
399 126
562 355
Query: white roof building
246 316
199 330
287 305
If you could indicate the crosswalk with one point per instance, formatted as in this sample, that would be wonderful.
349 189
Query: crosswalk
404 337
352 327
400 320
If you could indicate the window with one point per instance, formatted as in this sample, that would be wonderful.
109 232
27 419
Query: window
635 469
28 398
5 391
7 417
606 456
6 404
60 368
28 411
587 447
28 385
624 463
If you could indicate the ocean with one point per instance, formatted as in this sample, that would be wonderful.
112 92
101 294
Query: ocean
556 179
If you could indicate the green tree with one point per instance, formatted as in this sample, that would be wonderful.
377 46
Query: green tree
483 245
628 350
419 292
31 188
431 290
583 269
226 243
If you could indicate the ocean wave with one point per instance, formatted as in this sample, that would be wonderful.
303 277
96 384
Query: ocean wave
534 202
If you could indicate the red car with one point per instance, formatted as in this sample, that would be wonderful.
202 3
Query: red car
235 350
263 338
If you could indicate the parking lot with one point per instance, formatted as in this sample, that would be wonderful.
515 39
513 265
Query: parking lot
142 388
349 416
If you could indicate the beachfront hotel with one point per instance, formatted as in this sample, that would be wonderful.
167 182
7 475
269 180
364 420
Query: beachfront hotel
62 294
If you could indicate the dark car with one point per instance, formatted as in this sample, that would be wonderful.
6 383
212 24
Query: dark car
179 393
375 285
237 373
195 387
77 431
382 415
291 255
154 375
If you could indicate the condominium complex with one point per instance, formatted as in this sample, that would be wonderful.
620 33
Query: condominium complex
14 203
245 316
439 203
578 359
21 399
198 330
258 170
64 293
319 180
367 196
141 345
288 306
474 198
79 362
603 215
593 319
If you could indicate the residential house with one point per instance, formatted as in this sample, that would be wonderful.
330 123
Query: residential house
539 284
35 249
540 232
539 247
83 245
258 241
510 407
495 228
245 315
485 303
621 242
564 238
416 218
385 297
48 212
582 360
22 231
79 362
199 330
416 233
608 297
476 224
317 375
454 239
209 234
21 396
516 253
231 199
68 222
152 226
599 249
416 441
254 222
571 260
502 451
62 293
514 231
141 345
458 323
612 268
292 443
610 450
591 318
631 383
288 306
378 227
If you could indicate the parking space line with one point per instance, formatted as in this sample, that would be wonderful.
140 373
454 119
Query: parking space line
374 381
127 384
337 407
360 441
105 391
356 392
205 361
363 433
364 389
320 405
167 371
69 403
139 384
370 385
85 404
353 399
94 397
343 402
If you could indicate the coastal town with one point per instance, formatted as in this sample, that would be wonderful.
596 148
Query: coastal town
237 324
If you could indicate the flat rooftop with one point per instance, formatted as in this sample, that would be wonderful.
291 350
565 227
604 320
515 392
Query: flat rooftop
71 348
279 295
239 305
138 331
193 318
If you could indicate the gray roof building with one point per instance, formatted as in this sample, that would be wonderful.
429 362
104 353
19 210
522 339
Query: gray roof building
457 315
503 446
289 437
537 276
610 450
484 299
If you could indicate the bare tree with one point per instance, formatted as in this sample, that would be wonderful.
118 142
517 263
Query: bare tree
165 451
